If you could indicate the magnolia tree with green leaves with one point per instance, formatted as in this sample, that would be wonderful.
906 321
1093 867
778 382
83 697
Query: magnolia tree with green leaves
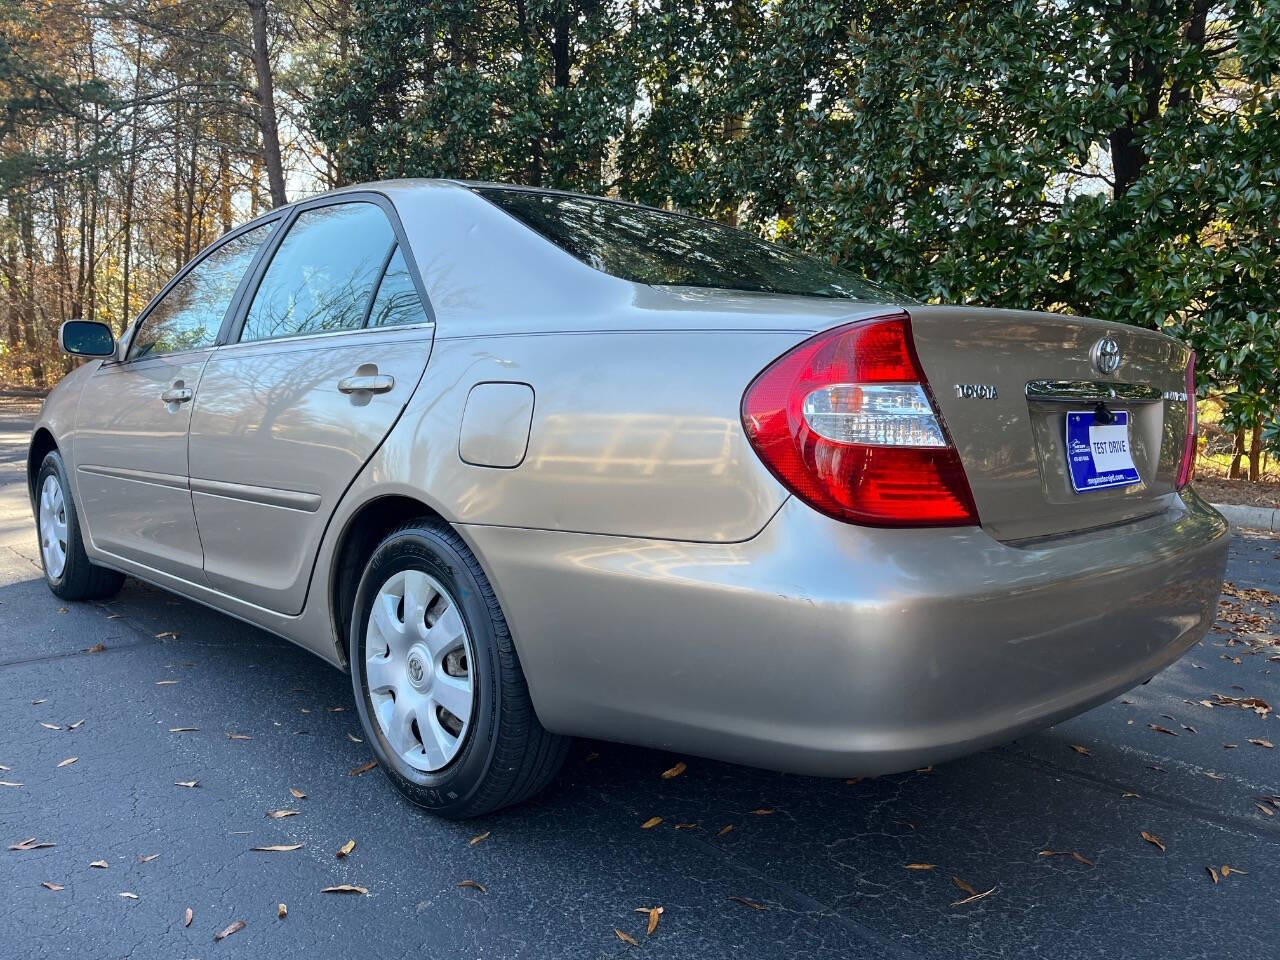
1113 158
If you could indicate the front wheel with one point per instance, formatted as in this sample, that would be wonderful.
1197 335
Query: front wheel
437 681
67 569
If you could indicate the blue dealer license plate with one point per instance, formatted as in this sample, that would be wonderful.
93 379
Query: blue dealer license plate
1098 455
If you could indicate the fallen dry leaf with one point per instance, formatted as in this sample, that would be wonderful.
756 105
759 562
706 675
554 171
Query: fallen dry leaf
626 937
1129 793
1214 776
686 826
281 911
725 829
747 902
100 864
10 783
675 771
187 916
277 848
479 838
297 794
67 762
187 783
167 635
1152 839
147 857
1227 871
228 930
1213 874
1159 729
30 844
963 885
50 726
165 683
764 811
352 888
1262 743
353 738
1083 751
345 849
920 866
75 726
971 899
183 729
36 703
98 648
129 896
337 709
363 768
49 885
654 913
473 885
1267 810
238 736
650 823
281 814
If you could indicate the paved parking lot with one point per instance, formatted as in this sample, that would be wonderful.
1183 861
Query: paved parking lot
774 866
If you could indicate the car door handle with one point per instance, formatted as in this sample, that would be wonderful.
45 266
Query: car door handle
367 383
177 395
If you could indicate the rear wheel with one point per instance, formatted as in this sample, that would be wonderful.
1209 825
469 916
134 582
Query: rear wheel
437 681
67 569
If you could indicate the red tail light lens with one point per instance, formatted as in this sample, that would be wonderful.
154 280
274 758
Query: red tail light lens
1187 468
846 422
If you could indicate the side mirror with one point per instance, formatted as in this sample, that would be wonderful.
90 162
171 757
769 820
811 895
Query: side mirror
87 338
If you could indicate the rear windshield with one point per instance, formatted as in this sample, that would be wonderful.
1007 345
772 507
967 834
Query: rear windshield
651 246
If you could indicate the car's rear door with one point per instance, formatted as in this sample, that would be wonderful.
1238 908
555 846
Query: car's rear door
329 348
131 436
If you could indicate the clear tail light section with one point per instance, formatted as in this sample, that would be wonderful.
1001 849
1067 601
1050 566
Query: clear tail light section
846 422
1187 468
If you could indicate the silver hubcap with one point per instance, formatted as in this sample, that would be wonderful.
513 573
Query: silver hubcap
418 667
53 526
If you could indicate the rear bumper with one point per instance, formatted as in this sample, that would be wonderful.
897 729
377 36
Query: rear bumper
823 648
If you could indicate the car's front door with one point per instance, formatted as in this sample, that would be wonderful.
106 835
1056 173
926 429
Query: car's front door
331 346
130 444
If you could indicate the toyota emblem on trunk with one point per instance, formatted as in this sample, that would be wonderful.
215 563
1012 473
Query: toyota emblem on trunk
1106 355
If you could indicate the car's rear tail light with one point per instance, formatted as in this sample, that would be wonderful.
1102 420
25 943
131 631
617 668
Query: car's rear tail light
846 422
1187 468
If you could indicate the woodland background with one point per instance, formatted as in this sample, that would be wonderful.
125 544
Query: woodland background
1116 158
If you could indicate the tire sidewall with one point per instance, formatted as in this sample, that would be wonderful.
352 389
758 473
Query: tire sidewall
421 548
52 464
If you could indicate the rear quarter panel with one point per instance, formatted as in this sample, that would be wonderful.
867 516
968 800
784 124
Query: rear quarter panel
632 433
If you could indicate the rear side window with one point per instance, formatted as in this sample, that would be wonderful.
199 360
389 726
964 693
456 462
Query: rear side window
397 301
323 274
651 246
189 315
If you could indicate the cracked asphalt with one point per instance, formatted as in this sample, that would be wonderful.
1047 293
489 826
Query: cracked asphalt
827 865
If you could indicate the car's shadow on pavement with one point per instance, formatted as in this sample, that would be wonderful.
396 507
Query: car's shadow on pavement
744 862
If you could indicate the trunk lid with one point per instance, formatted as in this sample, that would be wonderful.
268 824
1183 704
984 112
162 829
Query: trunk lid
1000 379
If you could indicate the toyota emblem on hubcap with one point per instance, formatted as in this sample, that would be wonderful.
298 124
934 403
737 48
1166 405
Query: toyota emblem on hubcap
1106 355
415 669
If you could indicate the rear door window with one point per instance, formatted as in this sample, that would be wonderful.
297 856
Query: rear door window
323 275
189 315
397 301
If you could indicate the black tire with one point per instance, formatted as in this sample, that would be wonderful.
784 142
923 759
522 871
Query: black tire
79 579
506 756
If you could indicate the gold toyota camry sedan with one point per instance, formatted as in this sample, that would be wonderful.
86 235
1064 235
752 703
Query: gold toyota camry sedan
533 465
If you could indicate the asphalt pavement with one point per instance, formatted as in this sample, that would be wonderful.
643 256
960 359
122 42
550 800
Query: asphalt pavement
744 863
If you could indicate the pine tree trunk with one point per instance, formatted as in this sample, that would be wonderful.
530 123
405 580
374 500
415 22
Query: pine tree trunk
267 103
